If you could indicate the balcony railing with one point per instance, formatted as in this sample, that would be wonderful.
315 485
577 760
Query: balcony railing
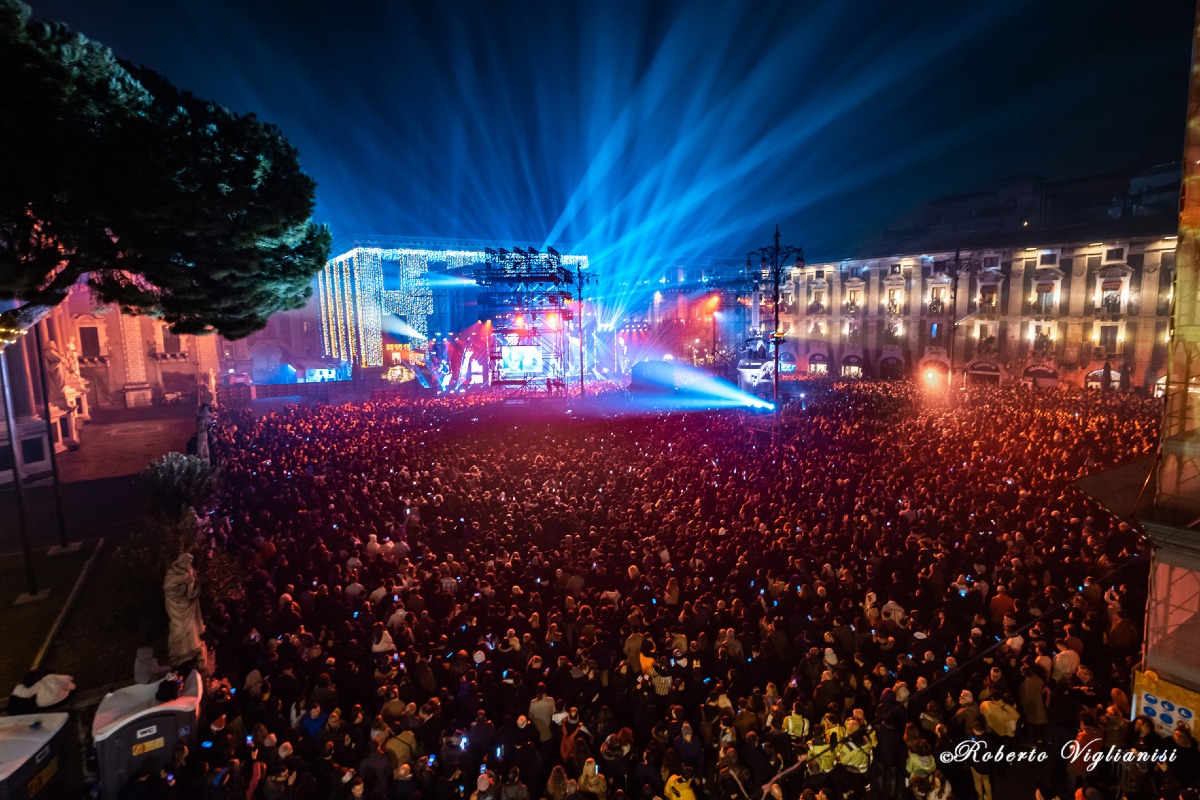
987 346
817 308
986 307
1041 309
893 308
852 307
1111 308
938 306
177 355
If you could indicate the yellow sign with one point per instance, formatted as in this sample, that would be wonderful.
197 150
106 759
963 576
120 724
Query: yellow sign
145 747
1166 703
42 778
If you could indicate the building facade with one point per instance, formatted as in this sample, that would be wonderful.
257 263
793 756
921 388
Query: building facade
1083 313
93 358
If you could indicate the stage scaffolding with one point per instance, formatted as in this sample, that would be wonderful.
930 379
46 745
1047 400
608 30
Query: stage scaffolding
525 295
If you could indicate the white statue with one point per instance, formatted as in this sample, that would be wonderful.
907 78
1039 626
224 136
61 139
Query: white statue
71 359
206 392
204 422
56 371
182 593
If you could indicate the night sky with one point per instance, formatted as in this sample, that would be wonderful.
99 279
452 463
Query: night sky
650 133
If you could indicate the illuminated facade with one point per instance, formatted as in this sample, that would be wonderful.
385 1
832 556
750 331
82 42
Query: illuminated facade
1081 313
366 285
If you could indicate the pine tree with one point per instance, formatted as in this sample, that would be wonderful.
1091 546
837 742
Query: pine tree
164 203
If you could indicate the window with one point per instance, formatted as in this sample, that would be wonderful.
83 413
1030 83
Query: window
1048 259
988 298
991 262
32 451
89 341
1043 339
1108 338
1044 303
1114 254
171 342
1111 295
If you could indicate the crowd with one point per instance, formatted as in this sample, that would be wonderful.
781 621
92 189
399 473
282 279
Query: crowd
444 603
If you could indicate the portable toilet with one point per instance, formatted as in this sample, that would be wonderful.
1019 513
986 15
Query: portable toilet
31 747
132 728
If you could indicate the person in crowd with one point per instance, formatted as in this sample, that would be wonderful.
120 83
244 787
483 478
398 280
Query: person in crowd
657 604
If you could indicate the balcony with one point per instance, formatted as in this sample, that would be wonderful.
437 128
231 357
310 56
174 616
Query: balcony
1041 346
852 307
854 337
987 308
817 308
175 355
938 306
1040 309
894 308
987 347
1110 308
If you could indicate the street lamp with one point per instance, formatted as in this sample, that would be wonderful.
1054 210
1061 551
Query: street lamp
773 258
953 270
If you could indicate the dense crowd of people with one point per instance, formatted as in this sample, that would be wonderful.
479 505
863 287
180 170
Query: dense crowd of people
442 602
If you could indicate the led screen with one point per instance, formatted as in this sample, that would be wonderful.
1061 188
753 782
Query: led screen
520 360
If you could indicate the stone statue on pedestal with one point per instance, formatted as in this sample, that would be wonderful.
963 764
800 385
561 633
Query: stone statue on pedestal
56 373
71 360
206 392
204 423
182 592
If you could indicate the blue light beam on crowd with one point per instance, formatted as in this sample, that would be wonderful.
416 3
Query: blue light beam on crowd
696 388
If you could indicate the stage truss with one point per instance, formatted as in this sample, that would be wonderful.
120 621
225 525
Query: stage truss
526 297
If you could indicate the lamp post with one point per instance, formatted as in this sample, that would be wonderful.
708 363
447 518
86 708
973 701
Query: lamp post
773 258
953 270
